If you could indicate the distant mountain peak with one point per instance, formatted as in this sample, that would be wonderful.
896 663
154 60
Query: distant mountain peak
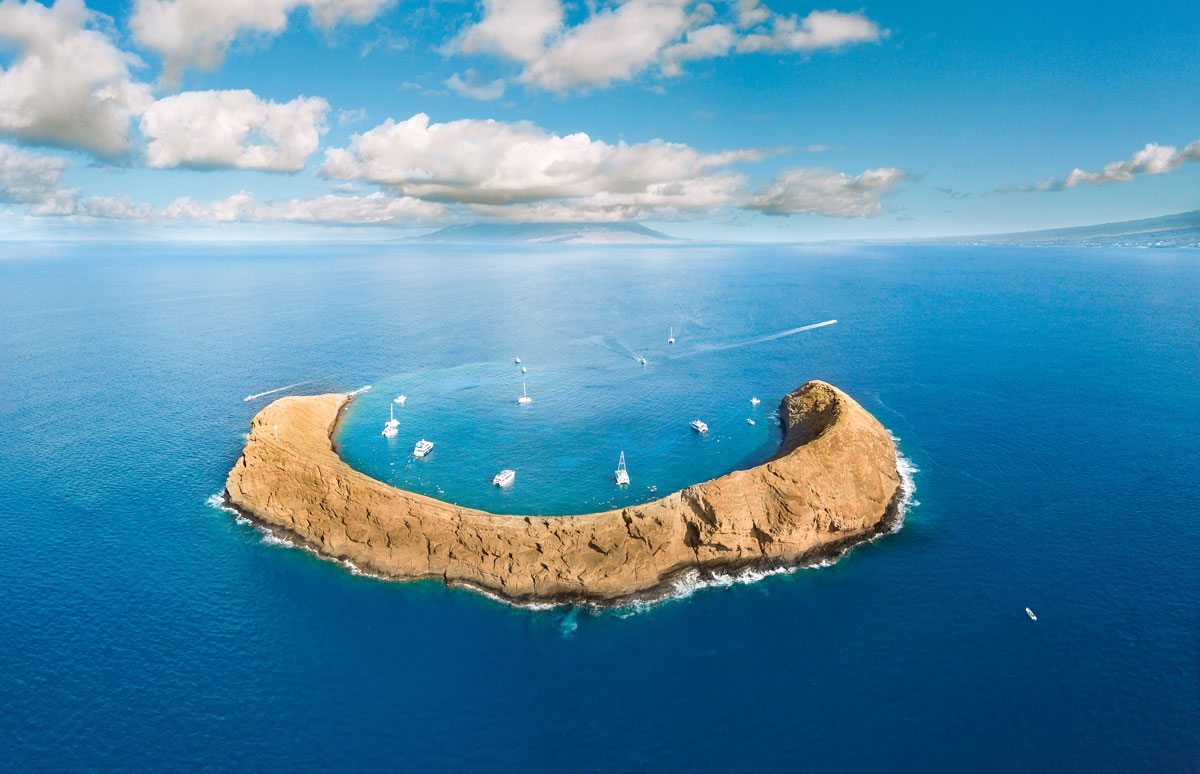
550 233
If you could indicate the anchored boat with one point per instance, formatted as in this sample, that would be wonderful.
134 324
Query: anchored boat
389 427
622 474
422 448
504 477
524 395
699 426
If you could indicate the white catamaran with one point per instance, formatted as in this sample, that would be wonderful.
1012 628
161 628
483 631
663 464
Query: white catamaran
699 426
504 477
422 448
622 474
389 427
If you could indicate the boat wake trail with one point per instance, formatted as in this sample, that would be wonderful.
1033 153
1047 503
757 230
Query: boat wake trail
249 398
701 350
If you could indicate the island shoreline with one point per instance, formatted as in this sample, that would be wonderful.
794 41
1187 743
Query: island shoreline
664 584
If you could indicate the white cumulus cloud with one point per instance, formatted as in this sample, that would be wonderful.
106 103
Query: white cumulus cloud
233 129
374 209
1154 159
475 86
820 29
614 44
67 83
515 29
35 180
198 33
817 191
493 164
620 41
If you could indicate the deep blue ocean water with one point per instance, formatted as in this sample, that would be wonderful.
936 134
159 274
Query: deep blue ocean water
1048 397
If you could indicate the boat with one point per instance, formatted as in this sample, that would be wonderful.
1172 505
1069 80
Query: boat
522 369
517 360
699 426
1029 613
422 448
642 360
504 477
755 401
389 427
751 421
400 399
672 339
524 395
622 474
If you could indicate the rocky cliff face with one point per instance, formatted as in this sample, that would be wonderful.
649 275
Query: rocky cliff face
833 483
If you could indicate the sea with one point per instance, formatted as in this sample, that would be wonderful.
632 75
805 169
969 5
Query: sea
1045 402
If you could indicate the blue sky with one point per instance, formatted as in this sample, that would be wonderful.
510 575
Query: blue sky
735 120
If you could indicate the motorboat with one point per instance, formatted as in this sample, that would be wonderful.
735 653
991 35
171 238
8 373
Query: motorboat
750 421
699 426
1029 613
622 474
422 448
504 477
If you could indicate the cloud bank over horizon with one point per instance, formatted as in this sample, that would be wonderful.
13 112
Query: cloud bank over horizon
207 111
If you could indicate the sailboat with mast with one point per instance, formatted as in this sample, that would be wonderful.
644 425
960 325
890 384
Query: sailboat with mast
389 427
524 395
622 474
672 339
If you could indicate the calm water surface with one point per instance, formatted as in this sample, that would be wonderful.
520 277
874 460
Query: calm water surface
1049 399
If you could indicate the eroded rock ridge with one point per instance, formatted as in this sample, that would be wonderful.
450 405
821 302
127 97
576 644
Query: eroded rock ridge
832 484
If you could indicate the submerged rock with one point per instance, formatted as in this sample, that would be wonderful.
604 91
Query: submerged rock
832 484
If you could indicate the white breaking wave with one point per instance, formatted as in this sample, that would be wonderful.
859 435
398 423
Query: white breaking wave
359 391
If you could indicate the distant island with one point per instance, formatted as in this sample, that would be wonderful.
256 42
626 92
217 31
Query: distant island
1181 230
549 233
833 484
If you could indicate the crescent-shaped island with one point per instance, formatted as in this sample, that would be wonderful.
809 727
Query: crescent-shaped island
832 484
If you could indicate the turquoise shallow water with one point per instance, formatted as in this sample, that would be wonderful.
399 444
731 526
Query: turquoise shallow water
1048 398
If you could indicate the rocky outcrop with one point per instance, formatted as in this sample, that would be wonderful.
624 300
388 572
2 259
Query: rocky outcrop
833 483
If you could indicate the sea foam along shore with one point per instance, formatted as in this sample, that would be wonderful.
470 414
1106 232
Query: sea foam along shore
683 587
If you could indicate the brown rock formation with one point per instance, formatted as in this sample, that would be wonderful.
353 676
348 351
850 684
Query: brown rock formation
832 484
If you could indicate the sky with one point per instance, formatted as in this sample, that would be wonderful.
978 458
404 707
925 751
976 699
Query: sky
744 120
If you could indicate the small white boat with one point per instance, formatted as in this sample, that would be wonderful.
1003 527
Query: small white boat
524 395
504 477
642 360
389 427
400 399
522 369
422 448
622 474
672 339
699 426
755 401
517 360
1029 613
751 421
